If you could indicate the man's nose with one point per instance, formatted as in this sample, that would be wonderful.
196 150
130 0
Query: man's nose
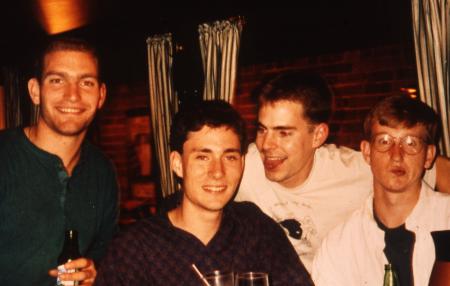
216 169
73 91
268 141
397 151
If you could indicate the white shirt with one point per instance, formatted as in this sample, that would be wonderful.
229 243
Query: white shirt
338 184
352 253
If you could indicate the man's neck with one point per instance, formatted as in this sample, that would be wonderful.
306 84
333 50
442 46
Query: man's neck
67 148
202 224
392 209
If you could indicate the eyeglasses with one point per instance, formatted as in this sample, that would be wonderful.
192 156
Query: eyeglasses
411 145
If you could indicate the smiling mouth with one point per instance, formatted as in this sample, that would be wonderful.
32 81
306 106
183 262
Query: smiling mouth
69 110
271 163
214 189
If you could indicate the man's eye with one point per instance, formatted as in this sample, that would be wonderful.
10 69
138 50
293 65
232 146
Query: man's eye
232 157
202 157
411 142
55 80
88 83
383 140
260 130
283 133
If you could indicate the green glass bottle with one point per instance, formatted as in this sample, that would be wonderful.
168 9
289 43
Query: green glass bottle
390 277
69 252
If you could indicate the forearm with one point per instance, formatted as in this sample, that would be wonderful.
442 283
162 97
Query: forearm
443 174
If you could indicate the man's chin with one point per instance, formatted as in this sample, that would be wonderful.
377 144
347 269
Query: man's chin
273 176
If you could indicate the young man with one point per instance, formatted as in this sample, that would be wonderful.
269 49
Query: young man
304 185
205 229
51 178
395 223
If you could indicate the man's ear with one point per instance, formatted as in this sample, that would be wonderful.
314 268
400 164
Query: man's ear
34 91
365 150
176 163
320 134
430 156
102 98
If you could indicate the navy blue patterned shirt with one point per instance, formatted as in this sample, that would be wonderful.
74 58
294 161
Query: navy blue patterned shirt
154 252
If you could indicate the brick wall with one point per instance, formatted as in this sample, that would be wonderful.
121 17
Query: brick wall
114 130
359 79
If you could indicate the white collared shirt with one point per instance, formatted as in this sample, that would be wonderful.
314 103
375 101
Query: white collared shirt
352 253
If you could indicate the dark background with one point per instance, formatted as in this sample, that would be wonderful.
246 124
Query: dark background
274 30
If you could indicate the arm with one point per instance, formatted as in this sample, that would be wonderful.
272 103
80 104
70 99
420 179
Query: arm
108 220
324 270
443 174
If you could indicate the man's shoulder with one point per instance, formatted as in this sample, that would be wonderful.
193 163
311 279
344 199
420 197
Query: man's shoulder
333 156
351 228
334 151
248 211
95 155
146 229
8 137
437 200
243 207
9 142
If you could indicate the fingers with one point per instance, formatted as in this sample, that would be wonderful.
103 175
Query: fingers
53 273
85 277
79 263
85 273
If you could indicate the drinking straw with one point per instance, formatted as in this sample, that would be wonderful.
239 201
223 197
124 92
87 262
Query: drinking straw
200 275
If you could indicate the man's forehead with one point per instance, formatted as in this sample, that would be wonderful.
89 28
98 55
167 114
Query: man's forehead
278 102
399 128
69 54
210 133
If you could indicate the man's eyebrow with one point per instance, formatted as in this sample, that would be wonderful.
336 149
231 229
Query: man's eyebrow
63 74
279 127
52 73
232 150
202 150
207 150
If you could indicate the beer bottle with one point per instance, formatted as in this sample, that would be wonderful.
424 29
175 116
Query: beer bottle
68 253
390 277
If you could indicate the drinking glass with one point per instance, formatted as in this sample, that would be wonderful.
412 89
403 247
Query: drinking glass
252 279
219 278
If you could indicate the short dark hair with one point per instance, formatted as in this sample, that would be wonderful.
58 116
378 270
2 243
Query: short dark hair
309 89
55 44
402 110
211 113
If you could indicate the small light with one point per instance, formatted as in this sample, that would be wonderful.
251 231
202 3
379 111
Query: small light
411 92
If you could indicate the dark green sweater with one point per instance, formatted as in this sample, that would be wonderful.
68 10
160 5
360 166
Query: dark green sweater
38 201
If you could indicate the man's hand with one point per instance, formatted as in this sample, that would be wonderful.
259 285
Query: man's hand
85 275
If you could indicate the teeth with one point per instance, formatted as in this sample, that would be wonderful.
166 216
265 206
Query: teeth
215 189
69 110
274 158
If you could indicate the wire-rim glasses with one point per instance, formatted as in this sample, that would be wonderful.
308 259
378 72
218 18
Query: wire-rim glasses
411 145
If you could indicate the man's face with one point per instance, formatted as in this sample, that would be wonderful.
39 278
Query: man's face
287 142
69 93
395 170
211 167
